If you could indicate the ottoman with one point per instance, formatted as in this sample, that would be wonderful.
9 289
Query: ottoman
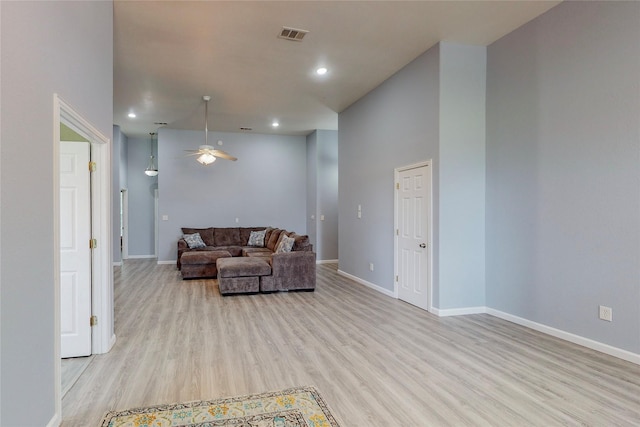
199 264
241 275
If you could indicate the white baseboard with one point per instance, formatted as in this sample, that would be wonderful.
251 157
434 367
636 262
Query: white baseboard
458 311
380 289
55 421
327 261
567 336
167 262
117 264
141 256
112 342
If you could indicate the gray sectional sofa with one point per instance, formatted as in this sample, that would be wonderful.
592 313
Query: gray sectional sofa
293 270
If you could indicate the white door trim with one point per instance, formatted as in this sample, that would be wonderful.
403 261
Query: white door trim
156 224
103 336
125 220
396 268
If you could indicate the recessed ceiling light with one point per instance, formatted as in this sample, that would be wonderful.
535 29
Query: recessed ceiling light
321 71
132 115
275 124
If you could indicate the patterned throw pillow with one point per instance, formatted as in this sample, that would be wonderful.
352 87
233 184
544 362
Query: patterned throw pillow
256 238
285 245
194 240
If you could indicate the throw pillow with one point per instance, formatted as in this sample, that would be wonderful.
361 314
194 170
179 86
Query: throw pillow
256 238
285 245
194 241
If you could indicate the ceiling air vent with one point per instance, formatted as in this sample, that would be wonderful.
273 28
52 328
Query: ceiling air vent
292 34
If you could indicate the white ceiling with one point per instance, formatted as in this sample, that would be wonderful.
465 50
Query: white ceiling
168 54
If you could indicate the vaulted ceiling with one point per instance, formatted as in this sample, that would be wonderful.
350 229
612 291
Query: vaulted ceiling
168 54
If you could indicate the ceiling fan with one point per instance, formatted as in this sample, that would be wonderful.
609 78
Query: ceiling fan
206 153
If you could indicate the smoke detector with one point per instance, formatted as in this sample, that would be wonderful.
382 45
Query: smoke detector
293 34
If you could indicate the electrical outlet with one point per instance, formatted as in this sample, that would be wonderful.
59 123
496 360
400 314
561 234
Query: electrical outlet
370 266
605 313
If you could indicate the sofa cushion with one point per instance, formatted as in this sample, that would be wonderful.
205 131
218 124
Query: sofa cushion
229 236
273 239
283 233
233 250
300 242
256 238
285 245
253 250
205 233
245 232
267 235
194 241
242 267
203 257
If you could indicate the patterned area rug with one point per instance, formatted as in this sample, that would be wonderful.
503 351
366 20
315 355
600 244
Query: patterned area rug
294 407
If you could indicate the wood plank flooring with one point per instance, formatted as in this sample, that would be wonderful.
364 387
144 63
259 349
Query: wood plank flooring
376 360
70 371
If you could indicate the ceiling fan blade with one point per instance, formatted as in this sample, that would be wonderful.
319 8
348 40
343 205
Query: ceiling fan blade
223 155
195 153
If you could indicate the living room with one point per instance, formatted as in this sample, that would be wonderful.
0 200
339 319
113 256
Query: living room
549 232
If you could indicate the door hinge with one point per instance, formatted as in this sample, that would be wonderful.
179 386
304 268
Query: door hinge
397 185
93 243
396 278
397 231
92 166
93 320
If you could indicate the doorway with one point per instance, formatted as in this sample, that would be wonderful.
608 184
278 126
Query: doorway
413 248
102 333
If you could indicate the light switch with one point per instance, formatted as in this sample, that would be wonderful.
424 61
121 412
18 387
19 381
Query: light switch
313 217
237 220
165 217
321 217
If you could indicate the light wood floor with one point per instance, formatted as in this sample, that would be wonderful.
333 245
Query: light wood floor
70 371
377 361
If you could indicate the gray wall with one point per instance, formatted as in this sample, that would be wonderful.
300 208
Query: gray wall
563 236
47 47
394 125
462 177
265 187
312 182
322 192
140 189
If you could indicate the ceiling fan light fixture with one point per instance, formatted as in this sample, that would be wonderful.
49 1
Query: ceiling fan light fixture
206 159
207 154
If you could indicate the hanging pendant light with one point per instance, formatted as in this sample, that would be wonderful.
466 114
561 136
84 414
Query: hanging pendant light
151 169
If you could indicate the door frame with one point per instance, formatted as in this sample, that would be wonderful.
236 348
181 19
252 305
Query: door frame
396 201
102 335
124 199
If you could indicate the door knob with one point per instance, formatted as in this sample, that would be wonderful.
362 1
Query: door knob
423 245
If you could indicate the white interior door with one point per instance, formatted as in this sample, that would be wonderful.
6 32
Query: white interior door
413 251
75 254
